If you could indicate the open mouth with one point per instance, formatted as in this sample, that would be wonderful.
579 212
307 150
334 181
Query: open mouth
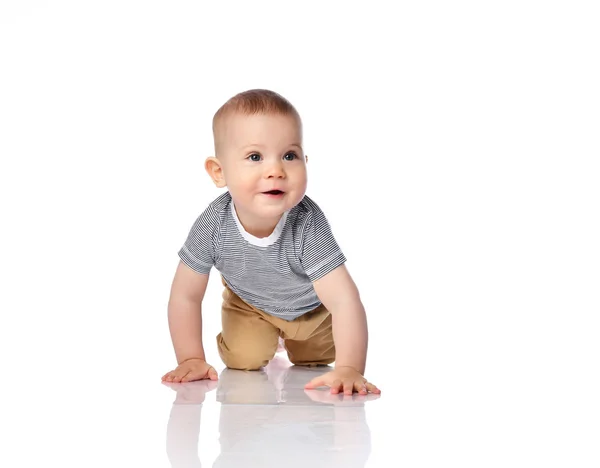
273 192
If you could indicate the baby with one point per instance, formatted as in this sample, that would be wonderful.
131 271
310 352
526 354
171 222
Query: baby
283 272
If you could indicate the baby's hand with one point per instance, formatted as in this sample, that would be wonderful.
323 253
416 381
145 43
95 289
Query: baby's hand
346 379
191 369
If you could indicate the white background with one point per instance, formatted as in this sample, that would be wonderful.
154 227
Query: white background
453 145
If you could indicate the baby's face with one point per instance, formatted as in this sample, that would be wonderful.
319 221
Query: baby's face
260 153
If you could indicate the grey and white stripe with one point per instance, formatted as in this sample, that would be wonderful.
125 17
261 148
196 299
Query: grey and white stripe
274 274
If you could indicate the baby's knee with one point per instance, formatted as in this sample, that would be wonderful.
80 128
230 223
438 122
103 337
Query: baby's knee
244 362
236 356
311 362
311 355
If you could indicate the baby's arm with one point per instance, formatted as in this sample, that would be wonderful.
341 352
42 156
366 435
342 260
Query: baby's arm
185 325
339 294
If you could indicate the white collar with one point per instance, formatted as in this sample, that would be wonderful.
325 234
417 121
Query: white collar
259 241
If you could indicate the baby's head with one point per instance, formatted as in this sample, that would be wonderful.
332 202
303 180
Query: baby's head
258 149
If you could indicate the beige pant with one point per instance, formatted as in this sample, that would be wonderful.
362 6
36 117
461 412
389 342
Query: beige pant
250 336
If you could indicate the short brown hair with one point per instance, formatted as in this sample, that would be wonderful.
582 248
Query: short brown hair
254 101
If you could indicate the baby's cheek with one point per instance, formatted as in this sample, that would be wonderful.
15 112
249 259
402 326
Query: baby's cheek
246 186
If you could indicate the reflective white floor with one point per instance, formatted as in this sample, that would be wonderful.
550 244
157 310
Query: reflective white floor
267 419
95 399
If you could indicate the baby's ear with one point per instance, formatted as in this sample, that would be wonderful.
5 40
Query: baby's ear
215 171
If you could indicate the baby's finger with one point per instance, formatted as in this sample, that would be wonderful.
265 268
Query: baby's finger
372 388
336 386
187 376
348 387
178 375
360 387
212 374
316 382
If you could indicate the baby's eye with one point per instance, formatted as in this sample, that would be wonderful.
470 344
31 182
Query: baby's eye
290 156
254 157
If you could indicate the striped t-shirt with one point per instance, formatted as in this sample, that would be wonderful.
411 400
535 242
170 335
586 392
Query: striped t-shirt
274 273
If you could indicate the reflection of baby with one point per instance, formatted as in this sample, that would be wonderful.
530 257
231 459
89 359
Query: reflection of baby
183 428
267 415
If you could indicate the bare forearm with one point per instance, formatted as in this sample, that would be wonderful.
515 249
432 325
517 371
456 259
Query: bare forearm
350 334
185 325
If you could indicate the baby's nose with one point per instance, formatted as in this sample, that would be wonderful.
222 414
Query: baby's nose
275 170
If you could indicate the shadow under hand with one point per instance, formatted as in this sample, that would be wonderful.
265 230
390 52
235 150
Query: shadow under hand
183 428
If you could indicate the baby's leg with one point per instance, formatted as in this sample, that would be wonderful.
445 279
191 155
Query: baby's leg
248 341
312 344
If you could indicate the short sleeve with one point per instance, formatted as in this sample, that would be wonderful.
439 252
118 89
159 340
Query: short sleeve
198 249
320 253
